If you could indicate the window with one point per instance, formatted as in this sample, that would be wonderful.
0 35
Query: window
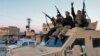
2 42
79 41
31 43
45 29
96 42
25 44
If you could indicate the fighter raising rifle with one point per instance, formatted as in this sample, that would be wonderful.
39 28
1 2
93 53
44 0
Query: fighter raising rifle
84 20
52 19
58 12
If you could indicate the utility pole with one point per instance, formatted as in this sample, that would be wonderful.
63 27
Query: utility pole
28 26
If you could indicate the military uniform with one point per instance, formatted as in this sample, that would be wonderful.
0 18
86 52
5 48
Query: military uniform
68 24
58 27
79 20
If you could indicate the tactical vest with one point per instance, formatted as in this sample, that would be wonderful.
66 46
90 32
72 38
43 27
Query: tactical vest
78 19
59 23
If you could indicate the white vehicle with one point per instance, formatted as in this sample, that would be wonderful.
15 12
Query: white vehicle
22 42
3 50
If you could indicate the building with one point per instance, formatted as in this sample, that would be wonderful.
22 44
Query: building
10 30
45 27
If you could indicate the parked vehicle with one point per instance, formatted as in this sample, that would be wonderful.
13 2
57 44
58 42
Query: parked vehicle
22 42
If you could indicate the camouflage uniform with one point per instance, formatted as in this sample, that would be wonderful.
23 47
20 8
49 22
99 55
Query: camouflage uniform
65 29
78 21
58 26
58 30
68 24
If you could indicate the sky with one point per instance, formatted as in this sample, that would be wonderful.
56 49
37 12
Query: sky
16 12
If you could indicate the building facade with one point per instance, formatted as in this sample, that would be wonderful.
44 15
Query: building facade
45 27
10 30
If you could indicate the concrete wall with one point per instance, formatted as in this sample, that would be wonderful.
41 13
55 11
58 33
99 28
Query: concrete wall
9 30
13 30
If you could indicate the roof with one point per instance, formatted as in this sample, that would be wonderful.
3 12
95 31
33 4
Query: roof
37 51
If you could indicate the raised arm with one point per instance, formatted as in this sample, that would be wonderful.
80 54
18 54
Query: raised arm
72 10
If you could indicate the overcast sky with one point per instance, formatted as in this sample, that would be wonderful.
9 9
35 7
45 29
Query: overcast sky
15 12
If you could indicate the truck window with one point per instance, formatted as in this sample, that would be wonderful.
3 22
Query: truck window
96 42
80 41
